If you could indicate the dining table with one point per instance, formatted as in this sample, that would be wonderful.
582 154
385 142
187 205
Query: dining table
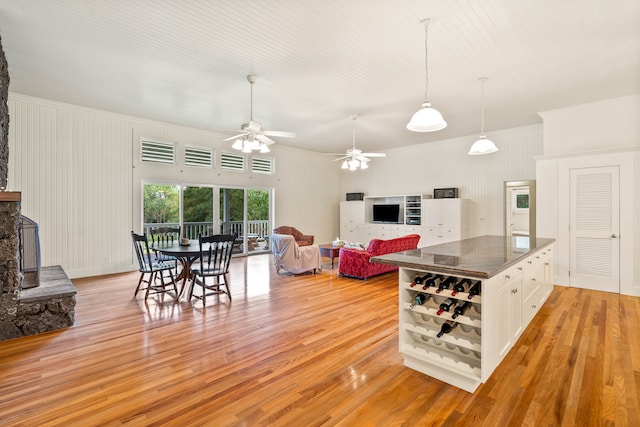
186 256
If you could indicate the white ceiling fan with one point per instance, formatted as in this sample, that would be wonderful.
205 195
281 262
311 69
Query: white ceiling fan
355 158
253 136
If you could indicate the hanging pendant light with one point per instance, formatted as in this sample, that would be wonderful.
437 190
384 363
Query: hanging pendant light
426 119
482 145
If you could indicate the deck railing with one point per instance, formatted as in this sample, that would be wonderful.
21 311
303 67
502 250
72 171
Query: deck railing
192 230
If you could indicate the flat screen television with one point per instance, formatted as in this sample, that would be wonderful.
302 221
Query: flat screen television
386 213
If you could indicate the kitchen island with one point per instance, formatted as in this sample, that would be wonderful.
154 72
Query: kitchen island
464 304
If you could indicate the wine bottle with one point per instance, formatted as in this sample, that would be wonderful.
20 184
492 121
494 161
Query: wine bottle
445 284
418 300
474 289
447 327
422 279
461 309
447 305
433 280
460 287
416 281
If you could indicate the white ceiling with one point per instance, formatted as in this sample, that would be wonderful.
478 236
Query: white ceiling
318 62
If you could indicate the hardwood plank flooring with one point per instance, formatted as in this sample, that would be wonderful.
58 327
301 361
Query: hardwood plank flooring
309 351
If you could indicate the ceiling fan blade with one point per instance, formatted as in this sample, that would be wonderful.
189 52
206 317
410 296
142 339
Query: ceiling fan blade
373 154
279 134
265 139
235 136
363 158
335 154
341 158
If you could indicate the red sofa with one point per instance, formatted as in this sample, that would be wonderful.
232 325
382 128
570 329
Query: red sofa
355 262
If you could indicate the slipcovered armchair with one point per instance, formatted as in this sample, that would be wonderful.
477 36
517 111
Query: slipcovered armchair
290 256
301 239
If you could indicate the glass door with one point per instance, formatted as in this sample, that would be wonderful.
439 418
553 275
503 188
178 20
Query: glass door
161 206
258 219
246 213
197 211
231 215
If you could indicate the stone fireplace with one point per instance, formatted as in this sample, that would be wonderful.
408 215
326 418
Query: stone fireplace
46 305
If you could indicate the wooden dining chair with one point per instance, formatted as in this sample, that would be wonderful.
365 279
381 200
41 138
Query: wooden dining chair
214 260
153 269
165 236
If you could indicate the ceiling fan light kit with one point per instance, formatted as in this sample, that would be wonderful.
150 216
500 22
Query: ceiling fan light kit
354 158
253 136
426 119
482 145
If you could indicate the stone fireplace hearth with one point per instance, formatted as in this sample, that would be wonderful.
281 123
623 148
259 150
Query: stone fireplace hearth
46 307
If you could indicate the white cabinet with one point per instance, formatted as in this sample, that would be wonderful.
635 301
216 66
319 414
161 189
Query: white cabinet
444 220
510 314
352 212
352 225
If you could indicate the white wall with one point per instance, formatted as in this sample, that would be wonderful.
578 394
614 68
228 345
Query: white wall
604 133
74 167
421 168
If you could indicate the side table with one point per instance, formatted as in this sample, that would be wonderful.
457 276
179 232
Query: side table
329 251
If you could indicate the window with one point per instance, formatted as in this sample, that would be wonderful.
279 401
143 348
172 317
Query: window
261 165
520 201
158 152
201 157
231 161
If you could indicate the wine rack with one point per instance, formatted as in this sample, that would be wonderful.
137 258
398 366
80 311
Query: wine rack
459 352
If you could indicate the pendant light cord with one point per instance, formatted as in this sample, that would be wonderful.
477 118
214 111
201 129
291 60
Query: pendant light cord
482 80
426 55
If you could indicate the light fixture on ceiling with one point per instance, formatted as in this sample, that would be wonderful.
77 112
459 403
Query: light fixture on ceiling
482 145
355 158
253 136
426 119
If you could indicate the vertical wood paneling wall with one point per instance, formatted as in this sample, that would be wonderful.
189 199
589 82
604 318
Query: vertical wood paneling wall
80 176
418 169
74 170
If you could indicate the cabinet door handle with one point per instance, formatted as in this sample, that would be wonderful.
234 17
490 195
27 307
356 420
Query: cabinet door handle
614 235
520 268
506 276
533 306
533 279
529 262
514 291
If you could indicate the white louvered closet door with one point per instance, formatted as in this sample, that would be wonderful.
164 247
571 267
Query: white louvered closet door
595 228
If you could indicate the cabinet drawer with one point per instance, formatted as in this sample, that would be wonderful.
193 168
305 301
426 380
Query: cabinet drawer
531 305
507 275
529 286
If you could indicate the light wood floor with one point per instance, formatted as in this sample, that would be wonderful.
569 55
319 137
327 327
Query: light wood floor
309 351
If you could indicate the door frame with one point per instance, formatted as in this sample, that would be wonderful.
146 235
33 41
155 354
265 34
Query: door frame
625 160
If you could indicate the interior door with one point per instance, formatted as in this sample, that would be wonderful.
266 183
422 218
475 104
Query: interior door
595 228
